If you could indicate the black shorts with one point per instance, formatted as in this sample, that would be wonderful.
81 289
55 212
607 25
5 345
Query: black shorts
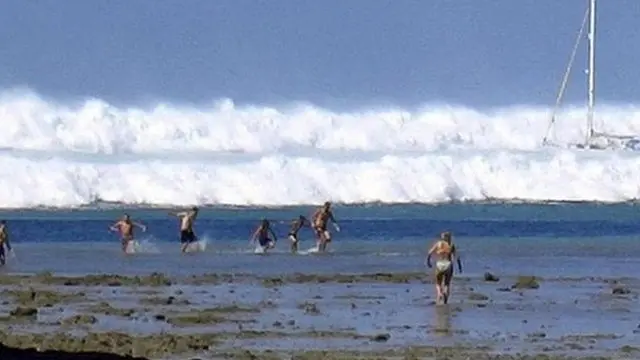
126 239
187 236
265 241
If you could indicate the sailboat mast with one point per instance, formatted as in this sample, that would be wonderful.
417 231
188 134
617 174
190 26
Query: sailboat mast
591 71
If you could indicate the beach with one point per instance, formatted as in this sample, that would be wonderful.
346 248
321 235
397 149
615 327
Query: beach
302 316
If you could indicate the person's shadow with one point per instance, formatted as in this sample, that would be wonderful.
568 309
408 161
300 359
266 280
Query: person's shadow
9 353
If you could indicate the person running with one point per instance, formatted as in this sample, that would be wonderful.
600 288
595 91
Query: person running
445 252
296 225
125 227
187 219
261 235
4 241
320 220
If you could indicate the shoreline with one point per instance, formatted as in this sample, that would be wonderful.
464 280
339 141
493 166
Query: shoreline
106 206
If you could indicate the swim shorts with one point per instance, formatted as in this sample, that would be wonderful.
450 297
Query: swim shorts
187 236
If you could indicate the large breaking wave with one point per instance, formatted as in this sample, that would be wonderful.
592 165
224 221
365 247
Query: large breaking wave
57 155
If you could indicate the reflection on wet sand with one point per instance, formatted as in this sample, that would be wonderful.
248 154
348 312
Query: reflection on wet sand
443 320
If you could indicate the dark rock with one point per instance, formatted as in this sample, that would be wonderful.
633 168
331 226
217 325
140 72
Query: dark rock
9 353
490 277
310 308
619 290
24 312
381 337
526 282
81 319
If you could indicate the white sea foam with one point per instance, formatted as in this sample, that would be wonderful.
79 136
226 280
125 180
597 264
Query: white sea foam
61 155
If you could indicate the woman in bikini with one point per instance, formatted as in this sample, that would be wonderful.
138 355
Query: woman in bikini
261 235
444 251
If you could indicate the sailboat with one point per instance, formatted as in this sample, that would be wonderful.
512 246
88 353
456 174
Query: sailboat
593 139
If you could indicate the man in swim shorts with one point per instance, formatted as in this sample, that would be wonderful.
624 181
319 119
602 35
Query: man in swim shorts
445 251
262 235
125 227
296 225
320 220
4 241
187 219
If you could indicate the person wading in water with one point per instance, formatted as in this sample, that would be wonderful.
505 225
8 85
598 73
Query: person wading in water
445 252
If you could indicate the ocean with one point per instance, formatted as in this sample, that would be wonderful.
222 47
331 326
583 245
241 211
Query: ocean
559 240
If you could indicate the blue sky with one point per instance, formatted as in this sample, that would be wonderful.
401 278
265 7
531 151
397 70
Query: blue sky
341 52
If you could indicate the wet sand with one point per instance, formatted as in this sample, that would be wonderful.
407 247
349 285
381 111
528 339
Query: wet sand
364 316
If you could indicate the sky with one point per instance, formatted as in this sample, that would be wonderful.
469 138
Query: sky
479 53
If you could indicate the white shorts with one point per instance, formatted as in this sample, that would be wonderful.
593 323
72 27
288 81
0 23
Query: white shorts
443 265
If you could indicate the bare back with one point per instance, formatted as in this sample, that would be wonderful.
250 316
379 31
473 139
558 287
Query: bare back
3 234
263 232
322 217
443 250
125 227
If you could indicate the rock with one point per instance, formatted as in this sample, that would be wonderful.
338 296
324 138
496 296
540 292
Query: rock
310 308
381 337
526 282
537 335
82 319
619 290
478 297
490 277
24 312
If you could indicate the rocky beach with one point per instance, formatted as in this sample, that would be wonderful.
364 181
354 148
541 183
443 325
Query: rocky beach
301 316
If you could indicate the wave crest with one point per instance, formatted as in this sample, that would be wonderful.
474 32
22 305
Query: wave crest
71 155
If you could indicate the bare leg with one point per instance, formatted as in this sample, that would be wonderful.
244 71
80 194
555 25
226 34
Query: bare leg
447 284
320 239
326 237
445 294
270 245
439 292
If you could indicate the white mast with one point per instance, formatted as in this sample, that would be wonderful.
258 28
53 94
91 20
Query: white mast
591 71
